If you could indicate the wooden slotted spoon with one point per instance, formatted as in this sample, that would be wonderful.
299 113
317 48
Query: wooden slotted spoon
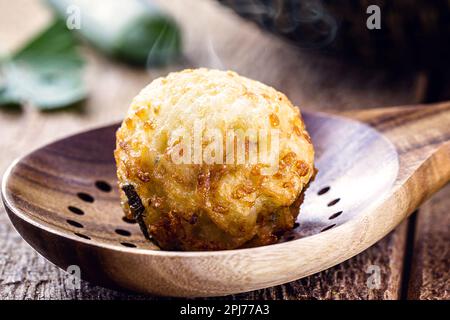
373 172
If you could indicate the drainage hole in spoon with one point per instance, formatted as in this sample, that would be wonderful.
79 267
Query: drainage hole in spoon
335 215
103 186
122 232
127 244
327 228
75 210
131 221
323 191
85 197
332 203
82 236
74 223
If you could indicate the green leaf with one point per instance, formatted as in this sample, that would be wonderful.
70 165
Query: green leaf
135 31
46 73
153 40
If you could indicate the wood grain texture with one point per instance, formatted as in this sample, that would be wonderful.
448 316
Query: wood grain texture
430 263
38 189
430 258
311 82
348 280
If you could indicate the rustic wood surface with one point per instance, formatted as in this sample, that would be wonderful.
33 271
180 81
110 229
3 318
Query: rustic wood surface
430 265
38 189
429 276
311 82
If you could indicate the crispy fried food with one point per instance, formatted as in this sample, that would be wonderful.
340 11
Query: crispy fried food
189 203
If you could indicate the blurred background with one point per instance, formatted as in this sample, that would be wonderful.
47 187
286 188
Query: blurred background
344 50
66 66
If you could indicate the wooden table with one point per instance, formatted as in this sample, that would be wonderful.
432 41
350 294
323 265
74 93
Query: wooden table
414 259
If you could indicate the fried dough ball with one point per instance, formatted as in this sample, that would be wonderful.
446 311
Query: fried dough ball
184 201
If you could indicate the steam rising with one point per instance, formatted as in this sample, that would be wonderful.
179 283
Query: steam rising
307 22
214 61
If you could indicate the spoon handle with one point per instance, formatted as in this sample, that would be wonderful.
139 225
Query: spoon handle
421 135
411 127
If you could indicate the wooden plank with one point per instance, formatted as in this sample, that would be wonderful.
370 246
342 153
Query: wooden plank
430 263
429 260
213 37
351 279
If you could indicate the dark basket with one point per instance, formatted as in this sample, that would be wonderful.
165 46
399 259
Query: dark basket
414 33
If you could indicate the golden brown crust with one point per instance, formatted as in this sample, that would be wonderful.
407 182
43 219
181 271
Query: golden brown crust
200 206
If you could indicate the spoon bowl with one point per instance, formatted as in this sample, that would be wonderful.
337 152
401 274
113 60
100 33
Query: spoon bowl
375 167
